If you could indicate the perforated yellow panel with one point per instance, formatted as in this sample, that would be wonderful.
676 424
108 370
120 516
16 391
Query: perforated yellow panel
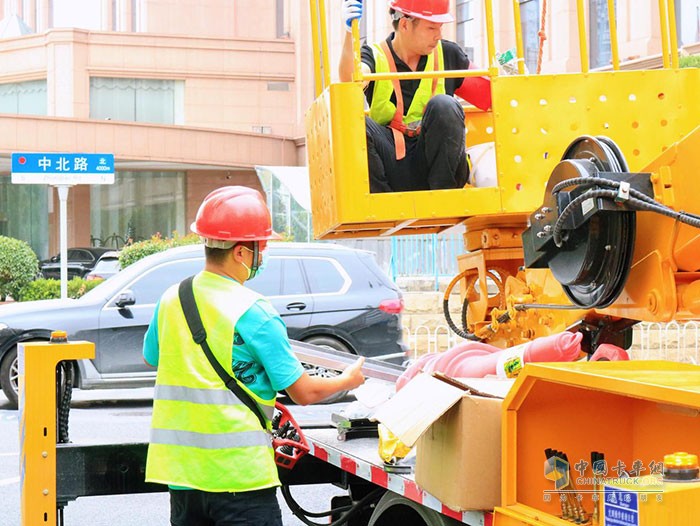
537 117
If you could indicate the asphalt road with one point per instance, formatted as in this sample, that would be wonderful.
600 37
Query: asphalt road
122 416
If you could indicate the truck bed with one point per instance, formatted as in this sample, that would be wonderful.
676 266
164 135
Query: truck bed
359 457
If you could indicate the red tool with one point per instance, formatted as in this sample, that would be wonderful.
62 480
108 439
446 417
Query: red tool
288 440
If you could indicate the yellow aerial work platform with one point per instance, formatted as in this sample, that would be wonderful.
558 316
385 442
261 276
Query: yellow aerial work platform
533 120
642 125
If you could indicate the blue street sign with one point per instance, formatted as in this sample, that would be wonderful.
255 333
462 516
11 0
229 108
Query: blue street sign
62 168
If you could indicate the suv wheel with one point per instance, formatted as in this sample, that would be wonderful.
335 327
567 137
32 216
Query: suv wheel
312 370
9 376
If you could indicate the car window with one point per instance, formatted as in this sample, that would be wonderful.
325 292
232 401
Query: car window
269 281
324 275
106 265
150 286
292 278
79 255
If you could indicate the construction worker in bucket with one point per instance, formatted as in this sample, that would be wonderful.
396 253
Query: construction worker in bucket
207 446
415 134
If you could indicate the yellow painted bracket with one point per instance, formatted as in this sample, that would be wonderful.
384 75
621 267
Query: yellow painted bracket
37 430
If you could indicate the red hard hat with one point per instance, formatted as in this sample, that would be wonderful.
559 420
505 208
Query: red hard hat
234 213
432 10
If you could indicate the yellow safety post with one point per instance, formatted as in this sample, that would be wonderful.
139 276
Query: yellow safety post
37 430
582 42
663 18
325 62
673 34
612 17
356 52
519 48
316 46
490 38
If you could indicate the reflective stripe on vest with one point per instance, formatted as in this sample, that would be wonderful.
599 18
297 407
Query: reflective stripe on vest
203 396
382 110
211 441
202 436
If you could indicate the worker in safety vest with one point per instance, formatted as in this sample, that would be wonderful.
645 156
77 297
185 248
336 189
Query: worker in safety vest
415 134
207 446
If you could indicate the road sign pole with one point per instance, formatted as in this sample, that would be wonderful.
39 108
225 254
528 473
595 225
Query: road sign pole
63 235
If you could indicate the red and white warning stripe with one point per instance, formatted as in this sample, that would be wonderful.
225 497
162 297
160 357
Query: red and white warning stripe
400 484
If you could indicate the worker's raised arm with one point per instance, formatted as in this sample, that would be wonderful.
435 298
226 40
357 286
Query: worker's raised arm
311 389
352 10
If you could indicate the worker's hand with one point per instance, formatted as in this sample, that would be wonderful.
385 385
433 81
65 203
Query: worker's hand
352 9
353 374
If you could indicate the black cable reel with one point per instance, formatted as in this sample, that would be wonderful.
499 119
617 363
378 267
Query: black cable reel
584 232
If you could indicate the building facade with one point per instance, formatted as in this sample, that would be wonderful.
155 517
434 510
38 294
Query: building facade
190 95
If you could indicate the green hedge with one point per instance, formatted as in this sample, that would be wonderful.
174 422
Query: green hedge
48 289
691 61
139 250
18 266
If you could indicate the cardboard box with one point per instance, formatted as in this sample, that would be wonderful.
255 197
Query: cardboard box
456 426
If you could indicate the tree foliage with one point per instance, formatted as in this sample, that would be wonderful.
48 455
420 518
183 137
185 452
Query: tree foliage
18 266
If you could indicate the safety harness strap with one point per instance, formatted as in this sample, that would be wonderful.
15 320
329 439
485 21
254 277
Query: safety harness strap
199 335
398 128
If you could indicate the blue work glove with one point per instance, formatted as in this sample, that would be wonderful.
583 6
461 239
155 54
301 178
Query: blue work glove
352 9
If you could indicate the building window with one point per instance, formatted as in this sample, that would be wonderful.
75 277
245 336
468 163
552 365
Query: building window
282 18
138 205
530 26
688 21
24 214
466 26
84 14
600 48
137 100
25 98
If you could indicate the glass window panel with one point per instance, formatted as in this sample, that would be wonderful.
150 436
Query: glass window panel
269 282
600 49
155 100
26 98
24 214
530 21
148 290
292 278
137 100
85 14
323 276
466 26
688 21
138 205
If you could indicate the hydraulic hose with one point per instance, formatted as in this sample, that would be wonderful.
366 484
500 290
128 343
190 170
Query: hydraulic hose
350 511
446 309
64 394
637 201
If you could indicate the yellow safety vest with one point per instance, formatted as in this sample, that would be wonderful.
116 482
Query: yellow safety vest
382 110
202 436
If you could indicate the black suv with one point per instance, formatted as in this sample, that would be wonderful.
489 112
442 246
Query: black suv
81 260
327 294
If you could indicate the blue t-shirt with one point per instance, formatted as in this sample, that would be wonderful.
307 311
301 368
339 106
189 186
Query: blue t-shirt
261 358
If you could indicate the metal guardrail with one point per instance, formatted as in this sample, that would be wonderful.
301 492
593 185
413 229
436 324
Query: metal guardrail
674 341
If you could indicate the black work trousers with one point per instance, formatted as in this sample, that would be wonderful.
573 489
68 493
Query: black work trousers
191 507
435 160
